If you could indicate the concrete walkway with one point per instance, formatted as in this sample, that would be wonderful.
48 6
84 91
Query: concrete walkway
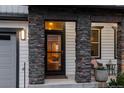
69 83
66 85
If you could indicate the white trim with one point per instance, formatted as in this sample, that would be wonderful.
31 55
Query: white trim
70 48
23 49
19 9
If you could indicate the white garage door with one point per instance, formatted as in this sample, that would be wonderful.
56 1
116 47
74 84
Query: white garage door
7 60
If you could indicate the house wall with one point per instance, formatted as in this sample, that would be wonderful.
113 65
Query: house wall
23 48
107 42
70 48
83 18
37 41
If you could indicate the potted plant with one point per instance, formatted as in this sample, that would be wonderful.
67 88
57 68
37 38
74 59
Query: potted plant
101 74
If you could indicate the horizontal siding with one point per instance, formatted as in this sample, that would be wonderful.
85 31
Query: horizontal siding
18 9
107 43
24 59
70 48
23 49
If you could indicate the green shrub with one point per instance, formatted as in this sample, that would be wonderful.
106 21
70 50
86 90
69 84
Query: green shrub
119 82
112 82
120 79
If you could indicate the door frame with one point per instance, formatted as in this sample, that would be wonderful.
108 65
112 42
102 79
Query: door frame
16 32
63 70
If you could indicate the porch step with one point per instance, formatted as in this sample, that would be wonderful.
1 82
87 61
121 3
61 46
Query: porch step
69 83
75 85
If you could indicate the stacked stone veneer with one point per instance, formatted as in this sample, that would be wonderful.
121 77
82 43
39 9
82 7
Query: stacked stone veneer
121 47
36 50
83 49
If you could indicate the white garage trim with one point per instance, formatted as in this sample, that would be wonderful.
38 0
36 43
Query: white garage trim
23 49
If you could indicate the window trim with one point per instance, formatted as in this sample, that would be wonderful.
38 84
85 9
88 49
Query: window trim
98 28
115 42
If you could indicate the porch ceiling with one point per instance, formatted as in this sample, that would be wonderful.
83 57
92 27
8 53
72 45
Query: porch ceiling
83 6
92 9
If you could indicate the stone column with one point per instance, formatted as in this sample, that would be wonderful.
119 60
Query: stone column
121 47
36 49
83 49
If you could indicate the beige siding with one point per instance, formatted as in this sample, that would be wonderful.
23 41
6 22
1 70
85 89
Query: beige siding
23 49
14 9
70 48
107 42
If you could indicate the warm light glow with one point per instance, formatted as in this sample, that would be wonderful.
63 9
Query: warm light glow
23 34
50 23
54 25
50 28
92 38
57 47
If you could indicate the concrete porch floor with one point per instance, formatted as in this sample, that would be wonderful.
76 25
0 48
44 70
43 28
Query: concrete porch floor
68 83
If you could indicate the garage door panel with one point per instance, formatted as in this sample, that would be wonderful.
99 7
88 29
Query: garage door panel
4 79
4 58
6 84
7 41
5 61
4 50
8 62
3 66
5 54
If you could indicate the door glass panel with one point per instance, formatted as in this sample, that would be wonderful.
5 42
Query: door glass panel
53 43
54 61
94 49
94 36
4 37
54 52
53 25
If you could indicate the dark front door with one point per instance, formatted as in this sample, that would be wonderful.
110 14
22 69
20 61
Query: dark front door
55 61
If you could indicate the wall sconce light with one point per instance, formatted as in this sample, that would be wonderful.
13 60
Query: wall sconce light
23 34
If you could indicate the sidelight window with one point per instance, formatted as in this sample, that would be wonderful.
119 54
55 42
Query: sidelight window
95 42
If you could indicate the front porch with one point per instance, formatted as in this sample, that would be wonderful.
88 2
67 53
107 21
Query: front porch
77 46
71 83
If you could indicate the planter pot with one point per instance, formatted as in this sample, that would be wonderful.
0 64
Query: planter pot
101 75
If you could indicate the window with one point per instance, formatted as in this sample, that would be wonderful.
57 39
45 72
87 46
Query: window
4 37
54 25
96 42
